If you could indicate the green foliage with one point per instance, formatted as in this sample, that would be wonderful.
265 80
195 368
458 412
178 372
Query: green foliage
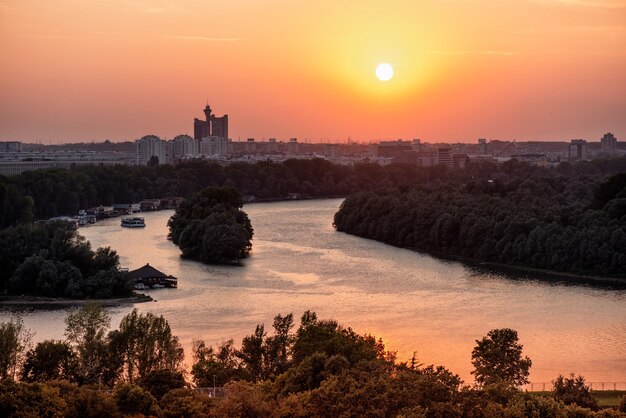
14 341
211 227
244 399
160 382
327 336
184 403
132 399
213 368
621 406
30 400
145 344
573 390
346 375
265 357
53 260
497 359
85 331
90 403
527 405
51 360
548 222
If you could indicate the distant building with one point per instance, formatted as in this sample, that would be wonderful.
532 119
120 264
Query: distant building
482 146
578 149
16 162
211 126
151 146
459 161
608 143
11 146
444 156
184 146
292 148
214 145
537 159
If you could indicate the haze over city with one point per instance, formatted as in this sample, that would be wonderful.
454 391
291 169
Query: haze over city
462 69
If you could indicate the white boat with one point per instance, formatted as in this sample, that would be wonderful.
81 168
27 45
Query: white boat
134 222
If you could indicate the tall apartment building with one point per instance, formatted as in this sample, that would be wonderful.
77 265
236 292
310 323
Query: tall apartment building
578 149
184 146
149 146
444 156
214 145
608 143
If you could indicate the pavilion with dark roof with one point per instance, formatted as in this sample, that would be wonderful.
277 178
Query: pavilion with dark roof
151 277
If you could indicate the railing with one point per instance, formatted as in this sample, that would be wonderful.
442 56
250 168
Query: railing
217 392
547 386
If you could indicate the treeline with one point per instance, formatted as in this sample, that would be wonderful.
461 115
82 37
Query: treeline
211 227
43 194
51 259
574 224
321 369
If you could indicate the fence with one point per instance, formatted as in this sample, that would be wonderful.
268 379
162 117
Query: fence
547 386
217 392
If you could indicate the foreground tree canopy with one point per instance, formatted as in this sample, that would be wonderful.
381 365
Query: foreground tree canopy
53 260
321 369
211 227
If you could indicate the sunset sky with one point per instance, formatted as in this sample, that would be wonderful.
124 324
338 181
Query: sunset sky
83 70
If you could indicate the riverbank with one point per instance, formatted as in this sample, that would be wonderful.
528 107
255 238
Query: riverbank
24 301
522 272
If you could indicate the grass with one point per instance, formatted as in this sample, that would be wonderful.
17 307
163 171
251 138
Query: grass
605 398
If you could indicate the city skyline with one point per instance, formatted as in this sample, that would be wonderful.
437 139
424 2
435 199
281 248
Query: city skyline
517 70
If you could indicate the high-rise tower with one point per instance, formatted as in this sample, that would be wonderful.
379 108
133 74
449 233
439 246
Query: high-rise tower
211 126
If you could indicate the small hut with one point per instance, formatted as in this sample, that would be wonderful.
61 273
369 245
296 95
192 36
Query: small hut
151 277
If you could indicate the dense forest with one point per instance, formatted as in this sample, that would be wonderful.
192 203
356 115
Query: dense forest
322 369
44 194
51 259
211 227
567 223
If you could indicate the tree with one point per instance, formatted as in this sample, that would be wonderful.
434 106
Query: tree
132 399
573 390
50 360
14 341
497 359
215 368
160 382
146 344
85 330
211 227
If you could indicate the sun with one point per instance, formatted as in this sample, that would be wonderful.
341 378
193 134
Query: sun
384 72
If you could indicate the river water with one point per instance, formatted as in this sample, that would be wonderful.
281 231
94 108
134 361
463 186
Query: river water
413 301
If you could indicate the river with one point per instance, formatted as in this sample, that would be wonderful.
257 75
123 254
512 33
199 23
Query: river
413 301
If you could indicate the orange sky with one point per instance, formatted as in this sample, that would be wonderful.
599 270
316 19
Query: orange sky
500 69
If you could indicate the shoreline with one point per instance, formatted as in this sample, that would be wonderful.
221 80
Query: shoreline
516 271
22 301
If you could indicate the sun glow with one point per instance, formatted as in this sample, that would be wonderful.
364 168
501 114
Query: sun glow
384 72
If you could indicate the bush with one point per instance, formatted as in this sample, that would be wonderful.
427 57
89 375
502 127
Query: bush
160 382
132 399
573 390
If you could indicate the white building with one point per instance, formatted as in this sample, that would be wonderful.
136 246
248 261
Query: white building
151 146
214 145
184 146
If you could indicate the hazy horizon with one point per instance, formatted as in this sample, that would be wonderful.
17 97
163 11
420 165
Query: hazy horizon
526 70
